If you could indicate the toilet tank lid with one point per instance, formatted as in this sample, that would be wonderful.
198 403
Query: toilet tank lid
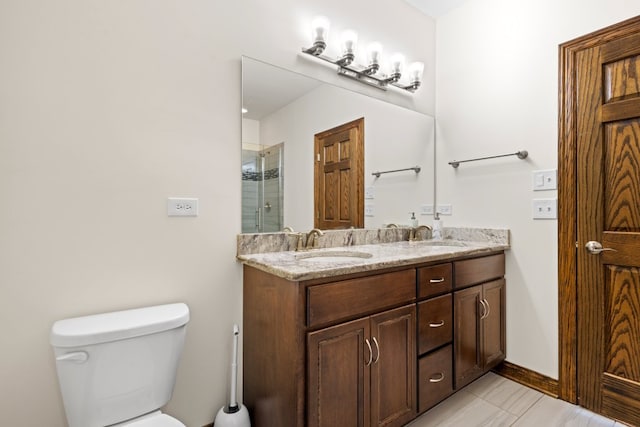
106 327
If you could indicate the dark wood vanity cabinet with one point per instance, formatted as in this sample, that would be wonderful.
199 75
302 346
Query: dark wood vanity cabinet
362 373
479 317
330 352
369 349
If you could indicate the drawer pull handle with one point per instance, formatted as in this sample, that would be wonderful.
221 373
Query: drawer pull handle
440 280
437 380
370 352
484 310
375 341
437 325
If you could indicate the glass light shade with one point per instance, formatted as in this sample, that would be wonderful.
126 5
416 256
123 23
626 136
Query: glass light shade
349 41
415 71
374 50
397 63
319 29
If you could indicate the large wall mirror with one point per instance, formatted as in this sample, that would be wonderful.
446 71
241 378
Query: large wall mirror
283 114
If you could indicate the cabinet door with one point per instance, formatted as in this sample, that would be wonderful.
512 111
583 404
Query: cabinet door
493 343
467 335
393 371
338 375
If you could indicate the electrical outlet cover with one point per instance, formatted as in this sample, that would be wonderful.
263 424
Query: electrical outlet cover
545 208
182 206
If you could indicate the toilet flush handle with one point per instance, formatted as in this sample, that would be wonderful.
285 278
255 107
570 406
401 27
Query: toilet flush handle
76 357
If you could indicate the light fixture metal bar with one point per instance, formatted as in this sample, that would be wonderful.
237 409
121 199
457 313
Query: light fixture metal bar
353 71
364 78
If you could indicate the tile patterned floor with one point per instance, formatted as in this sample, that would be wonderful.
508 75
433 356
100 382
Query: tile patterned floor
496 401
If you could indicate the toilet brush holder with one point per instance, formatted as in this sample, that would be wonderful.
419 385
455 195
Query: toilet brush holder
233 414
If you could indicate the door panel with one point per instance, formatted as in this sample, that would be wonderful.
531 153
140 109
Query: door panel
494 342
608 177
338 389
467 335
339 177
393 371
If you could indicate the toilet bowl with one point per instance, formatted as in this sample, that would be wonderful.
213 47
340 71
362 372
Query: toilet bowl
119 368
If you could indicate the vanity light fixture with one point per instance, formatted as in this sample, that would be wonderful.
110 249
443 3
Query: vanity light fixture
369 74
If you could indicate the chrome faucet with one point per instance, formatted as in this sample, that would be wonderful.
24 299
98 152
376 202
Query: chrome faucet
392 225
288 229
312 238
413 232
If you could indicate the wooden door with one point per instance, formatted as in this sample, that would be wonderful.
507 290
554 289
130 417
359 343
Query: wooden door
339 177
608 212
493 324
467 335
393 371
338 375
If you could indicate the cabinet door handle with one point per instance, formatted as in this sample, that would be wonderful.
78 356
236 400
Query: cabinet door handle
437 380
366 340
375 341
436 325
488 309
484 309
440 280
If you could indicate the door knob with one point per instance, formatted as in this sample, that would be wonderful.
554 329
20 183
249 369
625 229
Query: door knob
595 248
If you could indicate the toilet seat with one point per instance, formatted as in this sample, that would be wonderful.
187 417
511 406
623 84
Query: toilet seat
156 419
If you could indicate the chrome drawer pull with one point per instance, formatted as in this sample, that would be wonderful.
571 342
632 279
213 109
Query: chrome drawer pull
370 352
484 310
436 325
375 341
437 380
440 280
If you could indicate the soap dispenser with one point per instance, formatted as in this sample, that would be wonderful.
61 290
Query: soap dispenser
413 220
436 232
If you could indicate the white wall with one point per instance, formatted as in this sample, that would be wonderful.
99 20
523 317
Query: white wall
496 79
106 109
395 138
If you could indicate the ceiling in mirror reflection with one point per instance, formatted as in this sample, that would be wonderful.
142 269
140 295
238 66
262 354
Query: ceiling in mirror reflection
266 88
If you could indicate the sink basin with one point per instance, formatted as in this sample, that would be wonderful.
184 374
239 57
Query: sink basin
333 257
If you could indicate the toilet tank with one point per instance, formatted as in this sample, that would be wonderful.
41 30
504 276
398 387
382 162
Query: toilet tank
116 366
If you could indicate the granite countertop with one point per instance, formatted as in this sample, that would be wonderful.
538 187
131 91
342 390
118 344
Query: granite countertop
335 261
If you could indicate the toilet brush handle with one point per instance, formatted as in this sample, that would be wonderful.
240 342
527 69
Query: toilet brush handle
234 369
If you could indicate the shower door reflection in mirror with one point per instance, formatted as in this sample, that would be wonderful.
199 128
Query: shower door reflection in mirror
262 188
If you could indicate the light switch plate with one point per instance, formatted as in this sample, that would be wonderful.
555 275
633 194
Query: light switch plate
545 208
426 209
182 206
369 193
545 180
445 209
369 210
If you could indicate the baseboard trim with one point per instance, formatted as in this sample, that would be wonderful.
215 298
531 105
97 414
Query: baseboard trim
529 378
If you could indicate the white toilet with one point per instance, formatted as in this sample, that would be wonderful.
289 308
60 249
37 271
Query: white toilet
119 369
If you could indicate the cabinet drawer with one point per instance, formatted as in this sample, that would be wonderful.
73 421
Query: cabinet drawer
435 380
472 271
434 280
435 323
335 301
